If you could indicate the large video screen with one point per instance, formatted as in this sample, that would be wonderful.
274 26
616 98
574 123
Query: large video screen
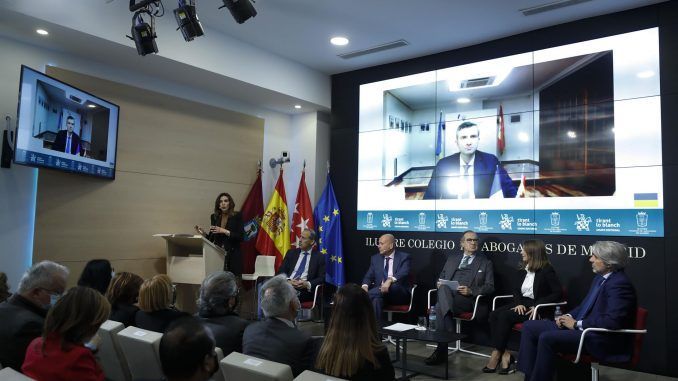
565 140
64 128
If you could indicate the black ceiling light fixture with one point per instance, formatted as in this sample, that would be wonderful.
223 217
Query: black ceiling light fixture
143 33
241 10
187 20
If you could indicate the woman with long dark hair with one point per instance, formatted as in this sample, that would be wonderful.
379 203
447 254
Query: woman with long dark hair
538 284
97 274
351 348
226 231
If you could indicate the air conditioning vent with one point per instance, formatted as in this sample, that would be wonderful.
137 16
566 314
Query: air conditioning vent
476 82
374 49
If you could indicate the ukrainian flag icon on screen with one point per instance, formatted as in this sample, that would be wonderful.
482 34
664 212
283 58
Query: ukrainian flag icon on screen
645 200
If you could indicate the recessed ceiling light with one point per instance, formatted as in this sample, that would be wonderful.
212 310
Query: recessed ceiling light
523 137
645 74
91 106
339 41
571 134
297 107
41 32
463 100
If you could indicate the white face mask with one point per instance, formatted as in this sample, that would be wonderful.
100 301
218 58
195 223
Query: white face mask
112 274
53 298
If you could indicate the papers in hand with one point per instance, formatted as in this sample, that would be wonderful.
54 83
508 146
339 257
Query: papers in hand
400 327
452 284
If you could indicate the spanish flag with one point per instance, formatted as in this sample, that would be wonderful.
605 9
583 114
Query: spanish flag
274 234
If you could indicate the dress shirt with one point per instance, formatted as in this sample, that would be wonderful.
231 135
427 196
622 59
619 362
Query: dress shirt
471 257
527 289
467 181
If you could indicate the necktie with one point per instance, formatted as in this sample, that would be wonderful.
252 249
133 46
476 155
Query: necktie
386 267
68 144
466 182
587 304
302 266
464 262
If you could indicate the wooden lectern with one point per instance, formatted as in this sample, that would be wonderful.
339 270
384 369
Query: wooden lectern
190 258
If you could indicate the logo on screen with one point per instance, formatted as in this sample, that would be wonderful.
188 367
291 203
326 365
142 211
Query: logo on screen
582 222
441 221
506 222
641 219
370 218
482 217
555 219
386 220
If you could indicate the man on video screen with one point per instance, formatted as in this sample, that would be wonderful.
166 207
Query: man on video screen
470 173
67 140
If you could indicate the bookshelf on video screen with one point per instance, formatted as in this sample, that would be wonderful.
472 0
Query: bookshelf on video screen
565 140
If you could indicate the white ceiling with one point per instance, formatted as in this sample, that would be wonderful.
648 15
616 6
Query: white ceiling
294 31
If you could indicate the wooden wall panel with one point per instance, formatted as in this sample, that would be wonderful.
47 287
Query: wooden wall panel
174 157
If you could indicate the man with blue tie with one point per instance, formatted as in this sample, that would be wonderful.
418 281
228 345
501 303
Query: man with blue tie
386 281
304 266
67 140
610 303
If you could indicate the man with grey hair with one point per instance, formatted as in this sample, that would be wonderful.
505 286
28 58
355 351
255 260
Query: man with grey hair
610 303
277 338
23 315
216 308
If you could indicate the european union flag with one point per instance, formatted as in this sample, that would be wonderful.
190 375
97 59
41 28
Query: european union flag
328 228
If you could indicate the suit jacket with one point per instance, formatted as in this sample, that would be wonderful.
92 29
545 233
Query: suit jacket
484 167
227 330
231 244
401 270
483 280
546 287
60 142
20 322
124 313
157 321
316 267
273 340
614 308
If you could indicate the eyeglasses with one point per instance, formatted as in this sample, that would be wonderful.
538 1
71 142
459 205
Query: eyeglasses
471 239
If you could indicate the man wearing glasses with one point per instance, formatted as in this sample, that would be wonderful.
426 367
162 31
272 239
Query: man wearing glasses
23 315
475 276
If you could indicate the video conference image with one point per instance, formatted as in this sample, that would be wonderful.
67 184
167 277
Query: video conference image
516 144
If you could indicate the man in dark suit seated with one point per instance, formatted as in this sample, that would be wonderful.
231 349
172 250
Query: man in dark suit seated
469 173
187 351
67 140
610 303
22 316
304 267
475 275
277 338
386 280
216 309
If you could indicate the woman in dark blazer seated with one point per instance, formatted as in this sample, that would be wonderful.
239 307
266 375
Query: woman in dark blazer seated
123 294
538 284
155 305
226 231
351 349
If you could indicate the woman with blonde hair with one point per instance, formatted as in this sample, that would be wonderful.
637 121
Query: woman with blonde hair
156 311
60 354
351 349
123 294
538 284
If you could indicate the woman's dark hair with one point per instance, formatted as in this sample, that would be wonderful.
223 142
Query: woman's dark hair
97 275
124 288
536 255
231 205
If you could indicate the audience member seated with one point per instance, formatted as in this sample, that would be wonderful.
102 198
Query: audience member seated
304 267
97 274
23 314
123 294
155 305
475 275
351 349
216 308
61 354
610 303
4 288
277 338
538 284
386 280
187 351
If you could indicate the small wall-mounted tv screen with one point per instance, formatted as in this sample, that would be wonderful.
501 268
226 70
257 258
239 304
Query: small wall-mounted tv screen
64 128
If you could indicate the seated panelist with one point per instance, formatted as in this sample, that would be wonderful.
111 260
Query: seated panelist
304 267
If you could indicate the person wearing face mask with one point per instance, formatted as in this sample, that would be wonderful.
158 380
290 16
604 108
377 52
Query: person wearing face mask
216 309
23 314
60 354
277 338
469 173
187 351
226 231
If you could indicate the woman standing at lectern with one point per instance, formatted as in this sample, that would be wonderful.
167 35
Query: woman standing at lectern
226 231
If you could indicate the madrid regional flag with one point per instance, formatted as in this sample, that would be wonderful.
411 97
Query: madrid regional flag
274 236
302 217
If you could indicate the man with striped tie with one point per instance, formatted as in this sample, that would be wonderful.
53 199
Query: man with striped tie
610 303
67 140
304 266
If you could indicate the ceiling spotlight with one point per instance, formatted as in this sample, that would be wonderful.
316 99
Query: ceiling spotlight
188 21
463 100
645 74
571 134
297 107
241 10
92 105
41 32
339 41
143 34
